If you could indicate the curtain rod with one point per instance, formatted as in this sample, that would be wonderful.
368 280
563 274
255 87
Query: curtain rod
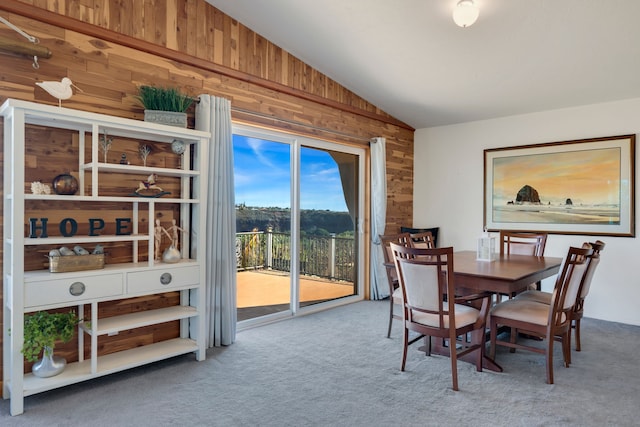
293 122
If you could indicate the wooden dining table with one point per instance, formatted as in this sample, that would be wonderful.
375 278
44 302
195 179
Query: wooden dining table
507 274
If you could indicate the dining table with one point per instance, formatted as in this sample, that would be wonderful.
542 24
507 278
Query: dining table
506 274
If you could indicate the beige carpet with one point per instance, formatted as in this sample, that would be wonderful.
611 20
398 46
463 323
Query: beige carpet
337 368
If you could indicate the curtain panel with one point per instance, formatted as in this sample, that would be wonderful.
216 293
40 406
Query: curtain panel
378 286
213 114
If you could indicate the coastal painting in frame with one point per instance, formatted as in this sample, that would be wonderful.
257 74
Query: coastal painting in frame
571 187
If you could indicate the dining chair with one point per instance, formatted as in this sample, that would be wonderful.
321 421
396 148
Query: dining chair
523 243
549 322
422 240
578 309
395 298
431 309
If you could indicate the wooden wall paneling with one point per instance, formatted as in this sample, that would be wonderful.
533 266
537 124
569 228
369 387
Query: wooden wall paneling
182 29
170 27
285 93
204 32
149 23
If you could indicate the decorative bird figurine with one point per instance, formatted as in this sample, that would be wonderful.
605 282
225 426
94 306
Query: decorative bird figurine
61 90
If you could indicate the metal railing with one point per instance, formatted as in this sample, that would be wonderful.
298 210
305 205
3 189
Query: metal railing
328 257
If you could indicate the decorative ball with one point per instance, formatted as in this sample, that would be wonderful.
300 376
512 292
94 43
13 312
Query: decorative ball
178 146
65 184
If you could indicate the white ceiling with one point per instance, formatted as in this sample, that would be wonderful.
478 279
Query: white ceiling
408 57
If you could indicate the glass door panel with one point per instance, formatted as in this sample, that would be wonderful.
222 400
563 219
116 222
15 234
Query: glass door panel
262 173
328 225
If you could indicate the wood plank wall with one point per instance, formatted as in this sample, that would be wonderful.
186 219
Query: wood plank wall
109 47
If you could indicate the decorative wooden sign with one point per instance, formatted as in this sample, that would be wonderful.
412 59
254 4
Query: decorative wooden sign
69 227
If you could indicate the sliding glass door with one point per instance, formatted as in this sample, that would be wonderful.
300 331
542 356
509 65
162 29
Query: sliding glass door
298 210
328 225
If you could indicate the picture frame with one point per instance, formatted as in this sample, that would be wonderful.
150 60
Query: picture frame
582 186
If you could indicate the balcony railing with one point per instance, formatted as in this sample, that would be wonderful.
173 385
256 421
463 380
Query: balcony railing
328 257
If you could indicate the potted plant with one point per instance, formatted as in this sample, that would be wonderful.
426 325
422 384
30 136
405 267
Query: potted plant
41 331
164 105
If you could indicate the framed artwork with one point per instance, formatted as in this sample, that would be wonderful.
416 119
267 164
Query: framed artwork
570 187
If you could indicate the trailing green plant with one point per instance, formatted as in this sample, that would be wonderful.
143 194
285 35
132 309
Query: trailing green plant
42 329
164 99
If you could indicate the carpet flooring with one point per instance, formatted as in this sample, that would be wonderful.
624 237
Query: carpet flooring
337 368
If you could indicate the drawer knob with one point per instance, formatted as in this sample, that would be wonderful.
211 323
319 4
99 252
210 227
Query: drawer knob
77 288
165 279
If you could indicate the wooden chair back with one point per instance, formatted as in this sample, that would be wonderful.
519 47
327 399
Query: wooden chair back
578 309
422 240
522 243
430 306
403 239
568 282
549 322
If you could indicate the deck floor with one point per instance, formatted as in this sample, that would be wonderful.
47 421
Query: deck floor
264 288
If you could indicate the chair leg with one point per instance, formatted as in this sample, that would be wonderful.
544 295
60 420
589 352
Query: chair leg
405 347
577 325
566 348
513 335
478 338
427 345
390 315
492 339
453 355
549 360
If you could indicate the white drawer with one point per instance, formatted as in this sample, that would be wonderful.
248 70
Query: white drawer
162 279
72 290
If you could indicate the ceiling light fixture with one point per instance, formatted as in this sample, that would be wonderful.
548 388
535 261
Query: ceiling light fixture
465 13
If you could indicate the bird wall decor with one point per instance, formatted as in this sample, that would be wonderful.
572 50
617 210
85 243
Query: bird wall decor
60 90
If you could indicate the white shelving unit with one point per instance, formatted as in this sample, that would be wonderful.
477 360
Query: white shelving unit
29 291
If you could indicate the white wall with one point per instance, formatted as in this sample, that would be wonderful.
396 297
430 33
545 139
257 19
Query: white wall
448 191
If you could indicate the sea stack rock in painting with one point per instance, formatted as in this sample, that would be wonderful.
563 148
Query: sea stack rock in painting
528 194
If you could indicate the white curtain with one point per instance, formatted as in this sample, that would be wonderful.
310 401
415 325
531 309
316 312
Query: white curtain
379 285
213 115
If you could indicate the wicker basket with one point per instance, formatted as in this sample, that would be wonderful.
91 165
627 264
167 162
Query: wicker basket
63 264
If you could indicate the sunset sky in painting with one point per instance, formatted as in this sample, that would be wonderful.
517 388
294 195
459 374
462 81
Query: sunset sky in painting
587 177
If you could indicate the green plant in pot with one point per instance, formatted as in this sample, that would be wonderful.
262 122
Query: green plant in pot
41 331
164 105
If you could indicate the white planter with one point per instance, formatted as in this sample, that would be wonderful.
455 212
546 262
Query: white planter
170 118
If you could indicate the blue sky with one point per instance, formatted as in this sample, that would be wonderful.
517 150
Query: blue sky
262 176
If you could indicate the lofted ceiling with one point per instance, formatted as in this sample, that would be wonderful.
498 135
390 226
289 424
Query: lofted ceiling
409 58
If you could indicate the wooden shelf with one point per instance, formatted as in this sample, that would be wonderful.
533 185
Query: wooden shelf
115 324
109 199
114 362
139 170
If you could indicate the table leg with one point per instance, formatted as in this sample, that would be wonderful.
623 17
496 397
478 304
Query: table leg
440 348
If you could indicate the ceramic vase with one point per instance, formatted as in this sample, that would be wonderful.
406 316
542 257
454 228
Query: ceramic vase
65 184
49 365
171 255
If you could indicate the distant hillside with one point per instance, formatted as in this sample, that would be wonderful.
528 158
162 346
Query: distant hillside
311 221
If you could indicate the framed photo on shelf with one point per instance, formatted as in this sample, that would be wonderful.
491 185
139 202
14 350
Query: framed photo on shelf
571 187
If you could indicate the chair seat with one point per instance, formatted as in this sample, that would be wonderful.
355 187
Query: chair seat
523 310
465 315
536 296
